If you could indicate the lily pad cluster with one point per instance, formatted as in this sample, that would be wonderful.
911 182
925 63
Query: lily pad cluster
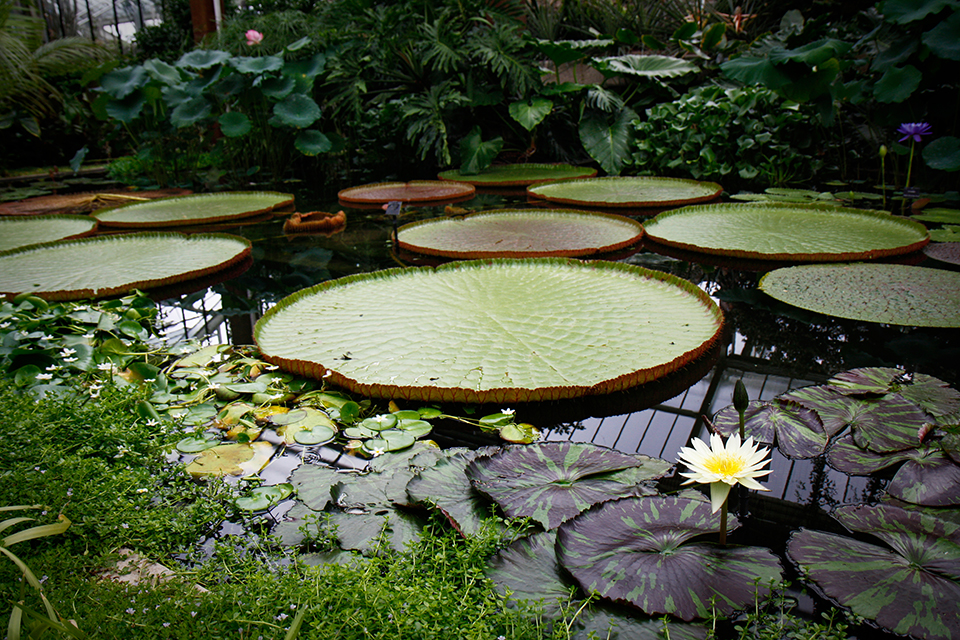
905 426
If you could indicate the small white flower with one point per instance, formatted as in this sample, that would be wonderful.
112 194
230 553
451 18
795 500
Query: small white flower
724 466
214 386
44 376
4 325
124 525
141 490
53 367
105 366
507 412
67 351
377 451
46 336
381 419
152 423
89 336
70 359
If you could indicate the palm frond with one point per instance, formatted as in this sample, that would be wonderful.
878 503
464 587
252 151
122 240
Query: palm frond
500 49
604 100
441 49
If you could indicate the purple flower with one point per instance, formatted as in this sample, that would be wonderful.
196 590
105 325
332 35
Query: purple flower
914 130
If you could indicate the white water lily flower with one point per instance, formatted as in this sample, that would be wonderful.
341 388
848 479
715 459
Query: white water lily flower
507 412
724 466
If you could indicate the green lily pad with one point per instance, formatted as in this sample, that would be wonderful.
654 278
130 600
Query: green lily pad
202 208
529 571
264 497
627 192
21 231
389 440
775 231
196 444
492 331
911 587
105 266
947 233
887 293
554 481
414 191
638 551
945 216
519 175
314 435
520 234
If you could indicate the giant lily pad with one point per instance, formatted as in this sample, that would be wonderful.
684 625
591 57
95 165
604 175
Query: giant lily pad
82 202
26 230
205 208
637 550
105 266
554 481
775 231
492 331
626 192
911 587
944 252
520 234
414 191
517 175
888 293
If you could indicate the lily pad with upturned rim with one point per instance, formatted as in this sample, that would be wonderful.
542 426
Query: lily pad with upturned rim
205 208
22 231
944 252
408 192
493 331
773 231
520 234
626 192
519 175
104 266
887 293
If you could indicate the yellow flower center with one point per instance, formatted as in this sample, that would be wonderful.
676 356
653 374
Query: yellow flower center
724 464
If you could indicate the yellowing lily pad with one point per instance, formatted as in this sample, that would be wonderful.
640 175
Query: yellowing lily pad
627 192
205 208
520 234
776 231
231 459
887 293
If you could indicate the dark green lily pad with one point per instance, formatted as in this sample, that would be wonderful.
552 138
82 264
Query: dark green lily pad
494 331
911 587
205 208
797 431
520 234
445 485
367 532
198 443
407 192
887 293
626 192
105 266
774 231
637 551
21 231
264 497
517 175
944 216
554 481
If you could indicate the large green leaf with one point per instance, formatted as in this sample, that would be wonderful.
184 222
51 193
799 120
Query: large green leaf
19 231
193 209
944 39
120 83
105 266
520 233
554 481
649 66
257 65
492 331
190 112
528 570
515 175
608 142
906 11
235 124
296 110
476 154
910 588
203 58
627 192
888 293
777 231
531 112
638 550
943 153
932 394
312 143
897 84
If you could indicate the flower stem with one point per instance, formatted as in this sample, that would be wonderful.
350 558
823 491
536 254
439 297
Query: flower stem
909 166
723 523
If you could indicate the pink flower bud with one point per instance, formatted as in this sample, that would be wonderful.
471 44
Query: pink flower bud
254 37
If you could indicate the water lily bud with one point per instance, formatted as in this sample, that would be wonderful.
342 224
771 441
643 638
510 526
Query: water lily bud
740 397
883 151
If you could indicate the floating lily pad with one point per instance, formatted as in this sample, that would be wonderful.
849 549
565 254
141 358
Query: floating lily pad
932 394
773 231
529 571
204 208
796 430
231 459
944 251
520 234
21 231
83 202
492 331
910 588
627 192
407 192
446 486
264 497
517 175
887 293
637 550
944 216
554 481
196 444
105 266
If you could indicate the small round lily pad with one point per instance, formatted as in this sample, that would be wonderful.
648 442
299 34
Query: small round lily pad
518 175
317 434
414 191
264 497
627 192
520 234
887 293
204 208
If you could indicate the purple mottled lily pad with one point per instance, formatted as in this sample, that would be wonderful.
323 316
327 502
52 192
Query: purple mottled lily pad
798 430
890 423
929 478
637 551
445 486
931 394
912 588
834 409
528 570
554 481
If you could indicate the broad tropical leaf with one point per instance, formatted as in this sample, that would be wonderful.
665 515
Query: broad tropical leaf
934 396
492 331
637 550
910 588
521 233
528 569
554 481
529 113
777 231
627 192
887 293
608 142
650 66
